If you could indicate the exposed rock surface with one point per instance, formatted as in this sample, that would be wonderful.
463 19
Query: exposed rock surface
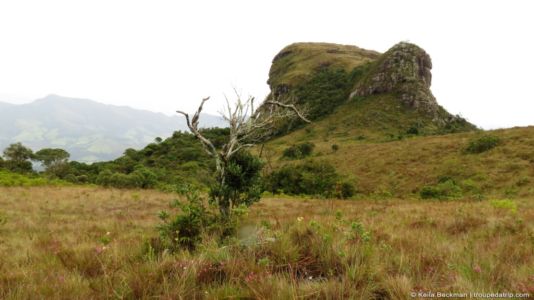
405 70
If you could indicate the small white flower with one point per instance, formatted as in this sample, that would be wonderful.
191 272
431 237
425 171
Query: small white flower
300 219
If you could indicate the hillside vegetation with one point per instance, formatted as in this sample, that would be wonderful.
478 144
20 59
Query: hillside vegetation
377 122
320 77
400 165
376 127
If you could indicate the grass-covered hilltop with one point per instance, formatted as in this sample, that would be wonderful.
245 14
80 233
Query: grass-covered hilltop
366 189
386 93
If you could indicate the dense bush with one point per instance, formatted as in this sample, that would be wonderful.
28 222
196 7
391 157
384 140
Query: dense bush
185 228
308 178
345 190
242 184
299 151
17 166
414 130
445 189
141 177
482 144
178 159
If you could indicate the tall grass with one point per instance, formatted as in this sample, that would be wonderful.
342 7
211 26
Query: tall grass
92 243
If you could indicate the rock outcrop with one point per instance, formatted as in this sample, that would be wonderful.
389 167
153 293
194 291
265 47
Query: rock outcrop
404 69
320 77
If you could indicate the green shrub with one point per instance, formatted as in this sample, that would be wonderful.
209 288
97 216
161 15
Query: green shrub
413 130
345 190
140 178
298 151
242 184
23 166
444 190
183 231
482 144
308 178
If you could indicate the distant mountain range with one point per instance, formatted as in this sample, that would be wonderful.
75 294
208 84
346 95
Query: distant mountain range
88 130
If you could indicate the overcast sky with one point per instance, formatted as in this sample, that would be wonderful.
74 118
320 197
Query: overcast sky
167 55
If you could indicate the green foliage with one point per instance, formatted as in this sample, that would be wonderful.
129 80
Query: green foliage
141 177
18 158
18 152
358 232
184 230
414 130
50 157
55 162
10 179
446 189
18 166
482 144
454 124
194 219
505 204
324 91
309 178
178 159
242 183
345 190
299 151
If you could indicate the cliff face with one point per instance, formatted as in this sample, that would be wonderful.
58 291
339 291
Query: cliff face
405 70
320 77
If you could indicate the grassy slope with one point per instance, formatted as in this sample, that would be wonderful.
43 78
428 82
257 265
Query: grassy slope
372 157
296 61
53 246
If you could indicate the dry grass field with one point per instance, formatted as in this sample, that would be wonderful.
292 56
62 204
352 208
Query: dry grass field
90 243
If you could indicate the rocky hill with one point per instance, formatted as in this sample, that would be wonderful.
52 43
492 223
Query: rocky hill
321 77
375 119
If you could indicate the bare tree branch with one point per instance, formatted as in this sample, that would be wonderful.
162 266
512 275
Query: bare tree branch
290 106
206 143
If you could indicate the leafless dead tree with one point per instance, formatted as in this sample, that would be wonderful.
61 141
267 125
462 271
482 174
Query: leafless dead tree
248 126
